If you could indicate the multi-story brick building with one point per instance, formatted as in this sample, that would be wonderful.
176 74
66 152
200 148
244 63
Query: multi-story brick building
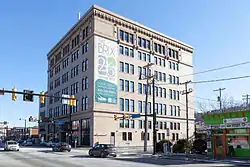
98 61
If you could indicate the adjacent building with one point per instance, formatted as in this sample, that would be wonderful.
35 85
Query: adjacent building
99 61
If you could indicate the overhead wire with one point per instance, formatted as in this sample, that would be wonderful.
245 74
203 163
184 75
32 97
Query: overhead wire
216 69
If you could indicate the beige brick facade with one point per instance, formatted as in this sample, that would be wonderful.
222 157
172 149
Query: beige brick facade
101 125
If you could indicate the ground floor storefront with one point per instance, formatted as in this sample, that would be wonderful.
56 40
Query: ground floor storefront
228 134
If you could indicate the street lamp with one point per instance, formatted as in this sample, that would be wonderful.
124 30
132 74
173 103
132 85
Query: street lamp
25 122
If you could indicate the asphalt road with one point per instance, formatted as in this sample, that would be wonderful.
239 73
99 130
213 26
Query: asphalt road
44 157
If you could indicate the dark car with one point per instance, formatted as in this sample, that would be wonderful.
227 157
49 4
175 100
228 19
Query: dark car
103 150
61 147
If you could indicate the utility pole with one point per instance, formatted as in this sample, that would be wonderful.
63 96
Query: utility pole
219 97
70 125
25 126
186 92
247 98
147 77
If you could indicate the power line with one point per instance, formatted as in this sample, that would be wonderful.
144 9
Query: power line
216 69
223 79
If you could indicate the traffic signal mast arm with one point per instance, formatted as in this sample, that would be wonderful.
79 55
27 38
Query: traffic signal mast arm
35 94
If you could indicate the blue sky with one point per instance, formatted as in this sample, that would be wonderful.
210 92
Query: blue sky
218 30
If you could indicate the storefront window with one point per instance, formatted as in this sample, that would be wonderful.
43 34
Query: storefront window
238 142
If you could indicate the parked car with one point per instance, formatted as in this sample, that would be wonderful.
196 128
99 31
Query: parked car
61 147
103 150
27 143
11 146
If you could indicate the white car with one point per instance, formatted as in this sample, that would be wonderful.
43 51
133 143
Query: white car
11 146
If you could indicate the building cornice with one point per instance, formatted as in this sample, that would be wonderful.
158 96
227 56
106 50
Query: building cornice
137 27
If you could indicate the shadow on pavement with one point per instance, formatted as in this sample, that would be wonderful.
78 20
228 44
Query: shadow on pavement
45 151
82 156
162 161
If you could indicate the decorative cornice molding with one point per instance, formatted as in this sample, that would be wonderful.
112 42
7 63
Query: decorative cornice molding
98 12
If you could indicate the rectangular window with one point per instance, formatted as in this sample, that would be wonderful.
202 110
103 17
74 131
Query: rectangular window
131 38
165 125
144 57
83 103
173 79
132 84
178 95
121 50
164 77
139 70
179 110
171 125
121 85
155 60
126 51
132 123
121 104
159 136
144 88
132 69
121 35
150 124
160 92
165 109
143 43
156 108
139 88
164 93
174 126
175 111
170 110
159 48
130 136
121 123
126 37
164 62
148 44
155 47
148 58
173 65
131 53
179 126
132 105
126 123
126 86
126 68
169 65
139 41
139 56
140 106
149 107
170 94
86 83
161 125
86 103
121 66
156 91
177 80
140 124
163 50
174 93
160 109
177 136
170 79
177 67
159 60
126 104
124 136
173 137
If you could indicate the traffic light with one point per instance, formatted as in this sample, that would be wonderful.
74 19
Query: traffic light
13 94
116 117
30 119
124 116
72 100
42 97
41 119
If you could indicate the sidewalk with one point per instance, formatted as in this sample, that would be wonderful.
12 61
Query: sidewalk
190 157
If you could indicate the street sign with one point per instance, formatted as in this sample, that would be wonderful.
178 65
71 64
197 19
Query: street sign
28 95
136 115
156 127
59 122
65 101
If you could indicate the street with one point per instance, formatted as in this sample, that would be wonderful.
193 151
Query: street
44 157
